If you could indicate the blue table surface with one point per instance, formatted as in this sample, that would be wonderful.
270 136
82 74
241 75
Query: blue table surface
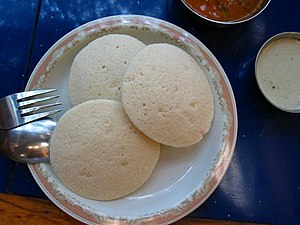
262 183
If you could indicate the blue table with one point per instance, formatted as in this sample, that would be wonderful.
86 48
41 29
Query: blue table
262 183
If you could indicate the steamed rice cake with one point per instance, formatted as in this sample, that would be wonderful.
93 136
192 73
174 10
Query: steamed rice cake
97 152
167 96
98 68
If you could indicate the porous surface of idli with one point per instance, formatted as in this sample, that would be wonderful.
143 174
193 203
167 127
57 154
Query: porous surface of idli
167 95
97 152
98 68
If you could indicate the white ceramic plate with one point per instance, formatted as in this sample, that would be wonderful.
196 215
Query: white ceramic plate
183 178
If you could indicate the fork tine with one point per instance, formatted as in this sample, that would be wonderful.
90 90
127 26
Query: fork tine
33 101
27 94
37 116
25 112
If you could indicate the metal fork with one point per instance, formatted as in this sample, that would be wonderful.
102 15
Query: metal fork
21 108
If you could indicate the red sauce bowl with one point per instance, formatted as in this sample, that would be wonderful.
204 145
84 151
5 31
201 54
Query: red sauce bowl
226 12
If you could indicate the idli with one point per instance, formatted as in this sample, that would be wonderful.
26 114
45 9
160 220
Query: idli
167 96
98 68
97 152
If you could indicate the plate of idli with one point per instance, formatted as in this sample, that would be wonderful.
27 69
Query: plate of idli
148 126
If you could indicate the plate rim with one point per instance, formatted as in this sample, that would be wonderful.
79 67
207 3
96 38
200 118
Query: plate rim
220 170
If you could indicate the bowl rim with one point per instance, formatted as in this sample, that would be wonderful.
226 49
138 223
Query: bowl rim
283 35
245 19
